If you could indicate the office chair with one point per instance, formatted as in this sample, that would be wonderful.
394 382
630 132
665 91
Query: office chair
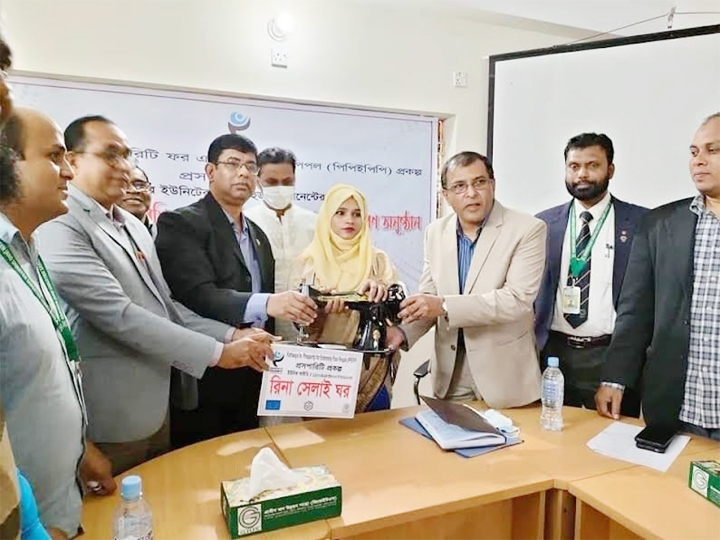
422 370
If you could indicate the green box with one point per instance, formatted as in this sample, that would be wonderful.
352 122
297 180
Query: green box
318 496
705 479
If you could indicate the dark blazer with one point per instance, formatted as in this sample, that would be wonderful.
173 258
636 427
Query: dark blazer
652 331
205 269
203 264
626 220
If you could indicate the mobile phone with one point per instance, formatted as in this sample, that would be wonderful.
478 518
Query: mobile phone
655 438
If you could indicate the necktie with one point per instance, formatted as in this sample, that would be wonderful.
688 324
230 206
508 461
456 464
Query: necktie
581 243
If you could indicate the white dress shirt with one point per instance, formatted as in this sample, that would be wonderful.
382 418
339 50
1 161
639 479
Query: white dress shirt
601 312
288 237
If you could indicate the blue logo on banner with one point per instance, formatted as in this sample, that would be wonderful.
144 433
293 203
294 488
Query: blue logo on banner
277 357
238 122
272 404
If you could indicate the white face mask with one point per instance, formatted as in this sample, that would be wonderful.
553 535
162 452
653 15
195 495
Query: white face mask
278 197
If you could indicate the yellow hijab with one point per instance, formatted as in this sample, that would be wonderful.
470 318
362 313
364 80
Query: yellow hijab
339 264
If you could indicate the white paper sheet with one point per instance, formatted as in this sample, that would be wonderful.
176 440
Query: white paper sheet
618 441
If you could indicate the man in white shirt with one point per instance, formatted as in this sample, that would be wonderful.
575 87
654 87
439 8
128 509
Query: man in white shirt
289 227
575 308
40 377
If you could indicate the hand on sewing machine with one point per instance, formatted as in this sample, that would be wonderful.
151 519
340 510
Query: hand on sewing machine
335 305
374 290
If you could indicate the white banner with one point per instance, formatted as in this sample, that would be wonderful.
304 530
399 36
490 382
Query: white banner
310 382
390 157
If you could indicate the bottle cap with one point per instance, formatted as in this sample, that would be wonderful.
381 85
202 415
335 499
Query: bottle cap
553 361
131 487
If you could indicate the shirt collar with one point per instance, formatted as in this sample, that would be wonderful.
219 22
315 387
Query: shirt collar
461 234
113 214
9 233
243 222
697 205
597 209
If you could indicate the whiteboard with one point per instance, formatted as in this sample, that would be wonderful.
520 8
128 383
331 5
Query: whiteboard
391 158
649 97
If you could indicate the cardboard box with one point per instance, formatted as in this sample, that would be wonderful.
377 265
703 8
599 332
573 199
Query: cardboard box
705 479
318 496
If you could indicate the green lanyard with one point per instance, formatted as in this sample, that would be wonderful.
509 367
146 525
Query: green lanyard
58 318
577 264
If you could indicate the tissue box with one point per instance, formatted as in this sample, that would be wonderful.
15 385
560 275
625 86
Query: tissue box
318 496
705 479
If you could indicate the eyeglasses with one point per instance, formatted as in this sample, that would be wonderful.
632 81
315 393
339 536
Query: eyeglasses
234 166
140 186
114 156
461 187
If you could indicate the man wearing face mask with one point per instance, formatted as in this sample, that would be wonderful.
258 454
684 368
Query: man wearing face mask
588 246
289 227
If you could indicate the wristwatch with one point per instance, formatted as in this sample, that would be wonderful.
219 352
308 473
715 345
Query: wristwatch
444 308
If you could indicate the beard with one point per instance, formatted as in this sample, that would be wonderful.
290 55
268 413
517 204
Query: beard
589 192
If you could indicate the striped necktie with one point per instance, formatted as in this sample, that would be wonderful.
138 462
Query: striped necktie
583 281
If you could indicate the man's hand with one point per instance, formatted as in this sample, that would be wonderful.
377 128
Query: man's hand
374 290
293 306
255 333
395 338
420 306
608 400
96 471
249 351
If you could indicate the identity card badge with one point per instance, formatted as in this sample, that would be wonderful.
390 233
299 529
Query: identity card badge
571 300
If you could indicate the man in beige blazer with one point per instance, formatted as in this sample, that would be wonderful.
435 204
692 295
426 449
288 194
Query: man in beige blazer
482 270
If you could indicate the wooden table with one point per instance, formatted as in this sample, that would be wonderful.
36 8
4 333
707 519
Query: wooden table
183 490
565 457
643 503
397 484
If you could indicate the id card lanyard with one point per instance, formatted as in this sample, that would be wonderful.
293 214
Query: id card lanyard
56 315
577 264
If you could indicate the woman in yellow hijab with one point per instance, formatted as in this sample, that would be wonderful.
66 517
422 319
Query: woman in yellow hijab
342 258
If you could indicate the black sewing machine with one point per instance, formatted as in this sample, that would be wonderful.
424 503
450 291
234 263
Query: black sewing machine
374 319
371 336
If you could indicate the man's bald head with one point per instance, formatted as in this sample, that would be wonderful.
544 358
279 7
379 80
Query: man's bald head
23 125
40 170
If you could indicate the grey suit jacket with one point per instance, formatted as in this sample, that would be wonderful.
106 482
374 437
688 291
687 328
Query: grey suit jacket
128 329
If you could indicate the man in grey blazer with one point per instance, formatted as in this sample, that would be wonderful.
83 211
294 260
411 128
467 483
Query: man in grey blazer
128 328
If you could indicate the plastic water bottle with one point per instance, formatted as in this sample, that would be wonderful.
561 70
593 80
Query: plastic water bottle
133 518
553 393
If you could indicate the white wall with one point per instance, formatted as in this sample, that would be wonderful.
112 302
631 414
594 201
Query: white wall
349 53
637 94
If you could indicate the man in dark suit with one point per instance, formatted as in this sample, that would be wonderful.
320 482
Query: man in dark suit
668 327
220 264
588 245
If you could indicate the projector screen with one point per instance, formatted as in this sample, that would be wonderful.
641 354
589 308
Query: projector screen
647 93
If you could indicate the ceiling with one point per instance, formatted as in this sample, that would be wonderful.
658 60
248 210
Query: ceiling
606 15
579 17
